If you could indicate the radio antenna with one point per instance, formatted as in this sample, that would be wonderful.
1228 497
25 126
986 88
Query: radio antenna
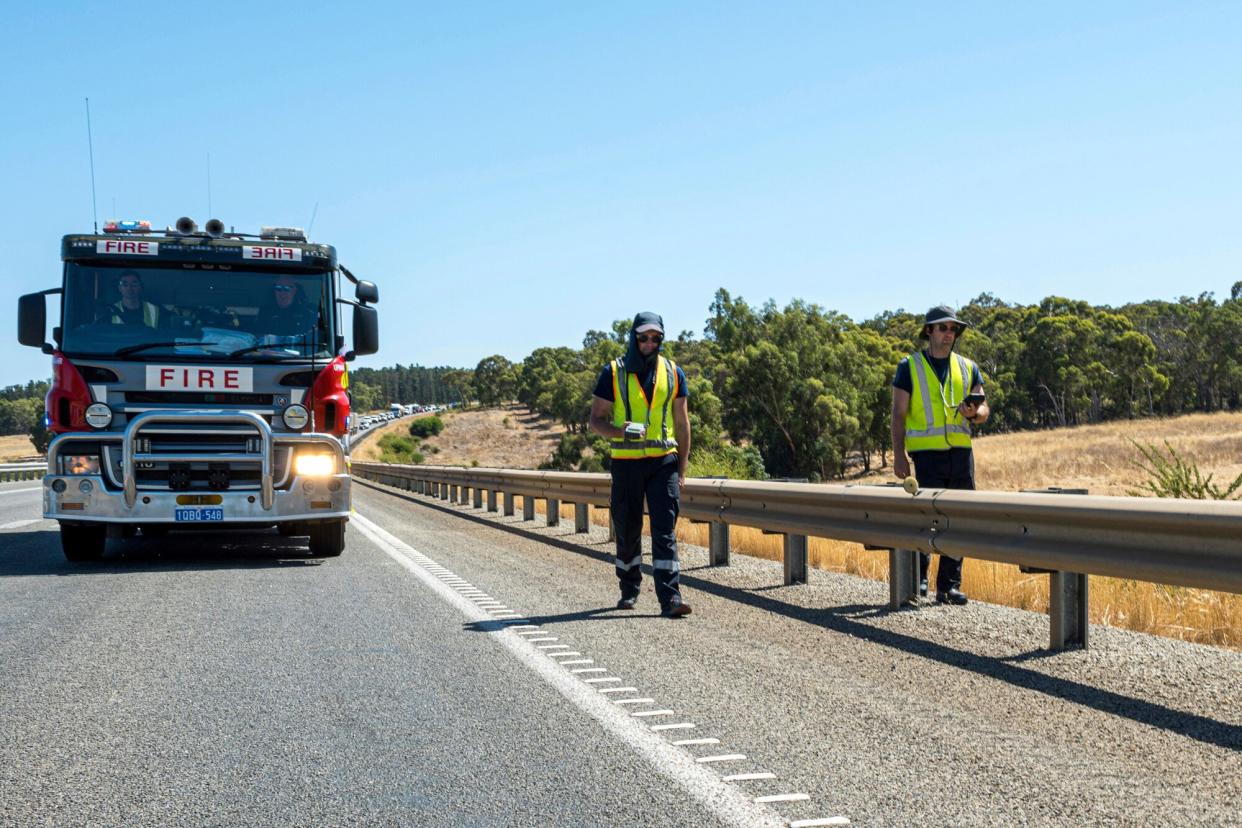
311 226
90 146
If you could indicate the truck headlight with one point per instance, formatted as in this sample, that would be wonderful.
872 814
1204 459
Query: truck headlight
314 465
79 464
296 417
98 415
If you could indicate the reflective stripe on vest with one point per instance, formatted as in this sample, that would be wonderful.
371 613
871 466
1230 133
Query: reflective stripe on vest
150 314
630 404
933 422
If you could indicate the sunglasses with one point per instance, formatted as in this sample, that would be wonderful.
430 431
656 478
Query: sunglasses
656 338
943 327
282 288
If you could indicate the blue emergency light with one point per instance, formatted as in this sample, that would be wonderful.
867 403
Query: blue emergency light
126 226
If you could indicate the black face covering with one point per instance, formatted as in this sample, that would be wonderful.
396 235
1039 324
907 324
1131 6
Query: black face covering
635 362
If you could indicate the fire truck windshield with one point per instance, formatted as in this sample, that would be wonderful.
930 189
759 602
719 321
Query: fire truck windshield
192 311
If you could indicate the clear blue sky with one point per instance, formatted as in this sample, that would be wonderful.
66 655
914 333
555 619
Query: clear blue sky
513 174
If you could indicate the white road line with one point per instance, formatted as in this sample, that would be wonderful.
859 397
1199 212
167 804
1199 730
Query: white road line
634 701
724 801
639 714
19 491
567 653
18 524
746 777
723 757
710 740
549 646
604 681
798 797
546 638
817 823
677 726
589 670
578 661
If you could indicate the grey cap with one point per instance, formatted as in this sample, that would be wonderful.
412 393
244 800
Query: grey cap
940 313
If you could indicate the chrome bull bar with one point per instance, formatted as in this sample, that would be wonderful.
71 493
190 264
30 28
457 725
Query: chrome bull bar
131 458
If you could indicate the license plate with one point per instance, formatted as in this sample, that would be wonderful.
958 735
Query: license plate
199 513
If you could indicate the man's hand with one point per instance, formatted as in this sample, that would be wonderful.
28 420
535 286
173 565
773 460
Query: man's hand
901 466
969 410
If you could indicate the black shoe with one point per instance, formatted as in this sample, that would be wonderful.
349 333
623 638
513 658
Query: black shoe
923 588
676 610
953 596
627 603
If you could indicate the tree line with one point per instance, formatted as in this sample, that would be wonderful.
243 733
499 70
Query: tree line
802 391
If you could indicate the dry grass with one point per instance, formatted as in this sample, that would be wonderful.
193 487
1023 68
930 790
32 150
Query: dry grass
16 447
1095 457
510 437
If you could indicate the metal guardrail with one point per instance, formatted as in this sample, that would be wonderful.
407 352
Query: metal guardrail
1191 543
22 471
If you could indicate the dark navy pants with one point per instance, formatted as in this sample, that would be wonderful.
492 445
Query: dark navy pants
653 479
950 469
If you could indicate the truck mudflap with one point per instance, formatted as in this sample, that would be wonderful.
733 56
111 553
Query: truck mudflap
91 498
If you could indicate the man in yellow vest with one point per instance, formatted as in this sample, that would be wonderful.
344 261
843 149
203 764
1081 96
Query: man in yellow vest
641 406
937 394
131 309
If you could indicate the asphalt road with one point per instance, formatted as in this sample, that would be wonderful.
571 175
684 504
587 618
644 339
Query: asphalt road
456 667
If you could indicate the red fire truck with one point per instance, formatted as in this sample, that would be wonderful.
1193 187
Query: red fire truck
199 381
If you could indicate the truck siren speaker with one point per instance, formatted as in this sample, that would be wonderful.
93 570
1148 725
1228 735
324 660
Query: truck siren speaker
214 228
185 224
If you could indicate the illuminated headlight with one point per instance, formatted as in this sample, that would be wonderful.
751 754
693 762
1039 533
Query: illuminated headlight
79 464
98 415
296 417
314 465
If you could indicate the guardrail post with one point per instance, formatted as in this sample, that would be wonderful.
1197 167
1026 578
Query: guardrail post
903 577
420 486
717 544
464 492
582 517
448 492
795 559
554 511
478 498
1067 597
528 507
491 500
509 504
1067 609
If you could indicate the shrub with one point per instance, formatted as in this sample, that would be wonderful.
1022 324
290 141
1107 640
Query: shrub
727 460
397 449
425 427
1175 476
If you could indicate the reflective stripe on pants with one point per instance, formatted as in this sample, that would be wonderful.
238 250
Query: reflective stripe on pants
653 480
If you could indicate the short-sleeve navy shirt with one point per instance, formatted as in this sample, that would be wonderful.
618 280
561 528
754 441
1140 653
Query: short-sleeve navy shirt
603 387
905 381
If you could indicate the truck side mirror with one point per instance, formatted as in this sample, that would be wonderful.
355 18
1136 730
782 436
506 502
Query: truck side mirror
366 330
366 292
32 320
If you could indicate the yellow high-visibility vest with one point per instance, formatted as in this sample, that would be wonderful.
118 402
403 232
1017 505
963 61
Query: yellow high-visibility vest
630 403
150 314
933 422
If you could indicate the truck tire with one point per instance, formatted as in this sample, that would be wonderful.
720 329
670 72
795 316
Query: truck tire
82 544
327 540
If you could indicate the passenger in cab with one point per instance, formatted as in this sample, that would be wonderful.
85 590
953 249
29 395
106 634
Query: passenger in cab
288 313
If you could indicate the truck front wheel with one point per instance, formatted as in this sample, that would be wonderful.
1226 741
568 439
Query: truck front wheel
82 544
327 540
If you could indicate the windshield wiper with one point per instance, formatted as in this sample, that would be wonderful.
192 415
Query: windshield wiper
250 349
133 349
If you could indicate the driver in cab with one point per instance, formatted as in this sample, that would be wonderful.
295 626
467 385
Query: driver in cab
132 309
